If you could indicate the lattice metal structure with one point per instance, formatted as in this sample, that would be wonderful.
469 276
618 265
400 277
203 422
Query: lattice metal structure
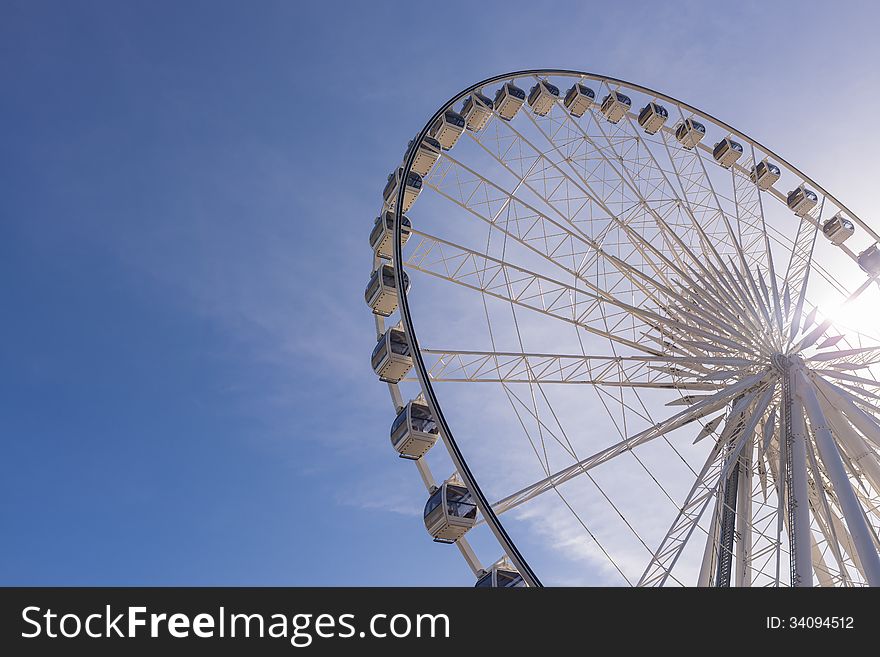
628 310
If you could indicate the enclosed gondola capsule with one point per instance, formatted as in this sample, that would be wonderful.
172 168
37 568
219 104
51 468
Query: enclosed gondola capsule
382 235
450 512
578 99
615 106
801 200
838 229
410 194
447 129
869 260
652 117
500 576
765 174
426 155
689 133
542 97
414 430
381 292
391 358
727 152
508 99
477 110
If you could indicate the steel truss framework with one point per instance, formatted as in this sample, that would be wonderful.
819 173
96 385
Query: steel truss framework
680 279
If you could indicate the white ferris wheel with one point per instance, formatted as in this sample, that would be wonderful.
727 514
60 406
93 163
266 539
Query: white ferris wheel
647 343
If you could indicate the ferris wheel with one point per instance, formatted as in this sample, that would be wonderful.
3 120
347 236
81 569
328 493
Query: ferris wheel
647 343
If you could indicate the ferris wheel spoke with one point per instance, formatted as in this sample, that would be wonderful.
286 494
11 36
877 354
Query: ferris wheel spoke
502 210
705 407
659 372
587 149
751 223
845 376
621 266
862 357
732 236
798 272
529 226
712 287
656 173
623 218
747 281
524 288
692 194
561 206
742 296
860 460
810 338
771 267
548 296
705 487
724 462
863 398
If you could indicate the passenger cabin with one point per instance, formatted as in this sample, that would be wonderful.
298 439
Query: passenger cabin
615 106
477 110
450 512
869 260
382 235
447 129
413 187
579 99
727 152
838 229
426 156
414 430
689 133
765 174
542 97
508 99
381 292
801 200
500 576
652 117
391 358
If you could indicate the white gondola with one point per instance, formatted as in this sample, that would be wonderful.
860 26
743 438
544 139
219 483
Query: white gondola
447 129
838 229
652 117
765 174
427 154
500 576
727 152
542 97
508 99
476 111
578 99
801 200
381 292
382 235
414 431
869 260
689 133
410 194
450 512
391 358
615 106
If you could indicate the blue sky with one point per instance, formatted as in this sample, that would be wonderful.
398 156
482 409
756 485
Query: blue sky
186 190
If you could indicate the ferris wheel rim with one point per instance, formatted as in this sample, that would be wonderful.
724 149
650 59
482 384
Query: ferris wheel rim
461 465
571 73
